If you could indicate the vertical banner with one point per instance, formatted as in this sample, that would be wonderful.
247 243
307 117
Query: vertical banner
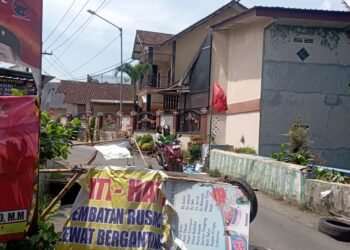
19 140
118 208
20 34
209 216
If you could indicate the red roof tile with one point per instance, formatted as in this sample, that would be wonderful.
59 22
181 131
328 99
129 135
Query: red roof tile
83 92
150 37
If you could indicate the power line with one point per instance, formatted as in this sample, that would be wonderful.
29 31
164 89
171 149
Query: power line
80 29
53 65
76 16
92 58
105 70
58 24
63 66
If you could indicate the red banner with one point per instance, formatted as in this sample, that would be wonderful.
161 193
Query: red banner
19 145
20 32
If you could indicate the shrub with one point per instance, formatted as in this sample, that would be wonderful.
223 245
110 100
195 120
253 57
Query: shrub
195 148
245 150
145 142
55 138
195 152
148 146
298 151
214 173
329 175
147 138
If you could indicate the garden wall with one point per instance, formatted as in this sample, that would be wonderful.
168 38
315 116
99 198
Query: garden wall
323 196
279 179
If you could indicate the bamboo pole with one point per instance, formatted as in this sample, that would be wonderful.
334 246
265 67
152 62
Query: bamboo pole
138 148
60 170
60 195
71 182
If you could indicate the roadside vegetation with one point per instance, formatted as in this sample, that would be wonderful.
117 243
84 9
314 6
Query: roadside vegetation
298 151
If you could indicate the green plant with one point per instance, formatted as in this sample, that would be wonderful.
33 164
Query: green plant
134 72
45 239
245 150
298 151
44 201
55 138
214 173
195 148
75 123
329 175
148 146
138 138
147 138
186 154
195 152
145 142
18 92
92 125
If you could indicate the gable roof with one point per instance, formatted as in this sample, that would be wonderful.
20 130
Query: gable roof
83 92
144 37
231 4
340 19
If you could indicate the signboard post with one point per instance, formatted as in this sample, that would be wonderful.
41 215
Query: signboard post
20 34
19 143
20 44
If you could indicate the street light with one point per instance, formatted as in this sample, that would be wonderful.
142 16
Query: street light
121 63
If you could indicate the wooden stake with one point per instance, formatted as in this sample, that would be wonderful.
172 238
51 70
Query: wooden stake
68 185
60 195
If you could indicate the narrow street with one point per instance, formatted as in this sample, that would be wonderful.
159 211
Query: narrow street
278 226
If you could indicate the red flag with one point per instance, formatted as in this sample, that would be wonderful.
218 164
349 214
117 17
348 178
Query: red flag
219 98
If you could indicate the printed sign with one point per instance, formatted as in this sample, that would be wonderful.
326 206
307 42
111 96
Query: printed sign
20 32
6 84
117 208
209 216
19 144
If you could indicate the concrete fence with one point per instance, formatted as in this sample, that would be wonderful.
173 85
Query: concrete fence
322 197
281 180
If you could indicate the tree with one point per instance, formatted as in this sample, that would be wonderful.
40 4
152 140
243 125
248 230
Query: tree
346 4
134 72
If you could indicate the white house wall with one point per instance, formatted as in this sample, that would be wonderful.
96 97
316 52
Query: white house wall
315 89
237 65
245 63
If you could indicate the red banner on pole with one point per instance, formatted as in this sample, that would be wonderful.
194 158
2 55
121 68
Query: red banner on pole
19 145
20 32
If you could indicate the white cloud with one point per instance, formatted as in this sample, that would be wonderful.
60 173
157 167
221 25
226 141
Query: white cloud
326 5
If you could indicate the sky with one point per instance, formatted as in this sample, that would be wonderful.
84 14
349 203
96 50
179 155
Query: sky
86 49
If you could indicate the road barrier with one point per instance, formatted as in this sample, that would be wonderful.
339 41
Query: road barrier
279 179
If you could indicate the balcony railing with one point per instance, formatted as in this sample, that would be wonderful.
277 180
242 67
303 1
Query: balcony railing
155 82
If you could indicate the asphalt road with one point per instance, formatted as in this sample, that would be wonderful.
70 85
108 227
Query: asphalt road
278 226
